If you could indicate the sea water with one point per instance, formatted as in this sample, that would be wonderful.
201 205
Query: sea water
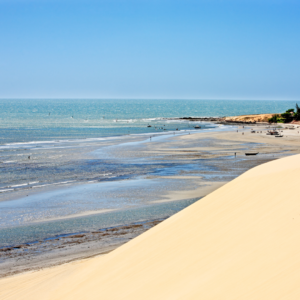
26 120
64 158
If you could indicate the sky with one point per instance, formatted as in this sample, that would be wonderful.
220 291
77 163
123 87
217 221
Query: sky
205 49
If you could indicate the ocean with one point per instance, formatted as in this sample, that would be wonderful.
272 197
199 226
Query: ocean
64 161
27 120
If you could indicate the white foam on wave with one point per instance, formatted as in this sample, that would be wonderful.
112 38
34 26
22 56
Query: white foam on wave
18 185
64 182
153 119
9 188
6 190
56 183
41 185
28 143
33 144
126 120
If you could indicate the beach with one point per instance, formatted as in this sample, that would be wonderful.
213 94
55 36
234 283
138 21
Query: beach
218 165
81 180
242 238
149 150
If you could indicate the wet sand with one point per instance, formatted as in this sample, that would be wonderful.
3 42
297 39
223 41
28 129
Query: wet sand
239 242
67 248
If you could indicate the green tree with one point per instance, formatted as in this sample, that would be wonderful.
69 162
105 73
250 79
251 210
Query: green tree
275 119
297 113
287 116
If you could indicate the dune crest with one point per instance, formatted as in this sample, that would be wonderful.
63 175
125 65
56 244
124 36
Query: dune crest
240 242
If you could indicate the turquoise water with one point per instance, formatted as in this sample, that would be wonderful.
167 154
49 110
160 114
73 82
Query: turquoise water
38 232
45 119
63 158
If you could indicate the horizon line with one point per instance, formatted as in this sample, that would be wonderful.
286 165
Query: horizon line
136 98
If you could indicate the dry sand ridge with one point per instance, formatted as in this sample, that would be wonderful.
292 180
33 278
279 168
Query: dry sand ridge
239 242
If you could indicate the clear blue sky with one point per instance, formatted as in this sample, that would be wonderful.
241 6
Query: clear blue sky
213 49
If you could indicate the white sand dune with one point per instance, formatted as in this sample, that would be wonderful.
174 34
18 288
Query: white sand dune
240 242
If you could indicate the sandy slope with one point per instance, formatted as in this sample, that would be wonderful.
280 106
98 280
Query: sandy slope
240 242
250 118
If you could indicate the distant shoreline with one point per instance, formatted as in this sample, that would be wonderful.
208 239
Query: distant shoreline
242 119
246 119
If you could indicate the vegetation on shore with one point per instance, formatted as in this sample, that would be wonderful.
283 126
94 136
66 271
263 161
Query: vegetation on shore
286 117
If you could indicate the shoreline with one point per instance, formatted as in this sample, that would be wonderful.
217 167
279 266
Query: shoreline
254 119
66 248
230 238
215 146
